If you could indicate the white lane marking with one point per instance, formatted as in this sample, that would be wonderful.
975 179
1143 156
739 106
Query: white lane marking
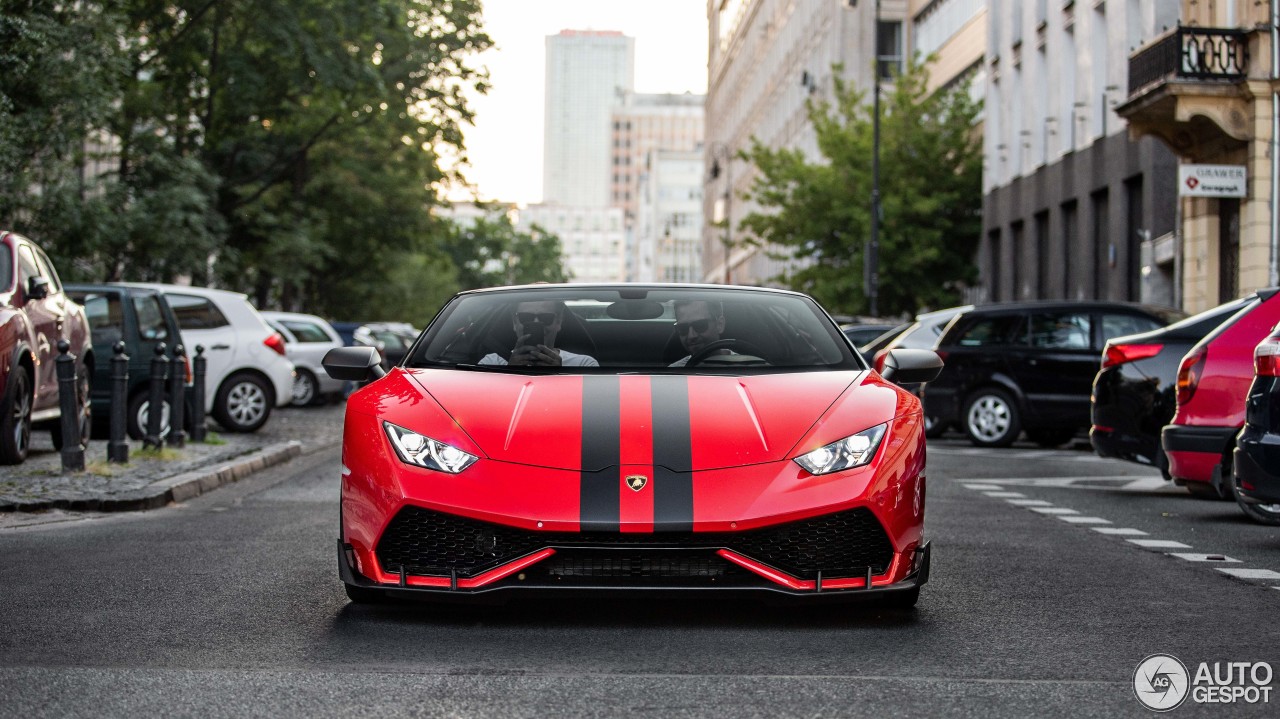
993 487
1159 543
1193 557
1085 520
1111 483
1243 573
1053 510
1029 502
1120 530
1004 495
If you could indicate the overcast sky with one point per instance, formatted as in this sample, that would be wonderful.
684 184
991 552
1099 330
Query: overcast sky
505 146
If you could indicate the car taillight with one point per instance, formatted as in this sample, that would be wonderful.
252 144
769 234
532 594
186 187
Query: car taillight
941 355
275 342
1124 354
1189 375
1266 358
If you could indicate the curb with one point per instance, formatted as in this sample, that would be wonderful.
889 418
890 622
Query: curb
178 488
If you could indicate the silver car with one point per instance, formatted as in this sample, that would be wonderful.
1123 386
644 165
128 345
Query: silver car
306 340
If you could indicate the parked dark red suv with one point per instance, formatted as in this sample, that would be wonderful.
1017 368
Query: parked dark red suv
1213 380
34 315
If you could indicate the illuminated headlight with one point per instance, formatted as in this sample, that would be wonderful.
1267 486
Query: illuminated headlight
422 451
853 451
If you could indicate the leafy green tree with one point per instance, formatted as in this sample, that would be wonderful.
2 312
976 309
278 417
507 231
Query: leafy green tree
491 252
817 213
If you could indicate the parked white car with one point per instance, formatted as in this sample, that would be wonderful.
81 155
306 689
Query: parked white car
307 339
248 372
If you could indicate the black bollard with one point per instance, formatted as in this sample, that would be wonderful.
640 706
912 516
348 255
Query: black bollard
69 406
177 397
117 445
155 400
199 366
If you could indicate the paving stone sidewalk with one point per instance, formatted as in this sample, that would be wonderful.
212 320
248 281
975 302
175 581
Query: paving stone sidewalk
150 480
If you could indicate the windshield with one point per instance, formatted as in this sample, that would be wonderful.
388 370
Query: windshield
635 329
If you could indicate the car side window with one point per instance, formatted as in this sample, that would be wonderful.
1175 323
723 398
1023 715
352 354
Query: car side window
196 313
27 267
1060 330
106 319
1120 325
151 324
46 269
6 266
1002 330
306 331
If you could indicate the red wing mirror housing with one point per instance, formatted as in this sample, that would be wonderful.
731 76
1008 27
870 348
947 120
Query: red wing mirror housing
906 366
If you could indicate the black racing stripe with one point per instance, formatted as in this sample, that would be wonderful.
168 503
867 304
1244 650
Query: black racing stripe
672 451
601 453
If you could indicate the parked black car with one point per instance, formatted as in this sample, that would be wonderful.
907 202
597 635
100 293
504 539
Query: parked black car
143 319
1028 365
1256 465
1135 392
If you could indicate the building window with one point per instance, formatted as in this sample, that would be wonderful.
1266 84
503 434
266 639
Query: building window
889 48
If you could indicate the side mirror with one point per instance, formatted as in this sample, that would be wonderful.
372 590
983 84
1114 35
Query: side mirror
37 287
904 366
354 364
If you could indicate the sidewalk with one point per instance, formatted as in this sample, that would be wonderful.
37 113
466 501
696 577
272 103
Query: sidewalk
150 480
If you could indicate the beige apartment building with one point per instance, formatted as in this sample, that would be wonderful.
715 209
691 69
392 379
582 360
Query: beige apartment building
1208 89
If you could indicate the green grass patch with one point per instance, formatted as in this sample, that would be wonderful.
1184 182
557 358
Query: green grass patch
157 453
214 438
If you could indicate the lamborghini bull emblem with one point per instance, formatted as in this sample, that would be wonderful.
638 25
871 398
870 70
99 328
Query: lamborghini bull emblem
637 482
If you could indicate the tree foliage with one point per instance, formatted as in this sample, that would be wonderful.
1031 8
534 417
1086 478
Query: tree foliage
818 212
491 252
292 149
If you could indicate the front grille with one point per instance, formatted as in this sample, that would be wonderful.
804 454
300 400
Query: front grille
642 564
425 542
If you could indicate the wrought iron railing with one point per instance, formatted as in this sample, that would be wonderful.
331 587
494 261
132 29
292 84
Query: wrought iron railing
1195 53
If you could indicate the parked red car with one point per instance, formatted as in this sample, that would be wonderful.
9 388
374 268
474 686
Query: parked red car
1213 381
1257 456
35 314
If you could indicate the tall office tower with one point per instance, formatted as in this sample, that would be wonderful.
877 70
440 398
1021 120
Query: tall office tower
588 72
642 124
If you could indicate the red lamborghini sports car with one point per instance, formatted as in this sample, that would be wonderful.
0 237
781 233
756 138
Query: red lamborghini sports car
607 438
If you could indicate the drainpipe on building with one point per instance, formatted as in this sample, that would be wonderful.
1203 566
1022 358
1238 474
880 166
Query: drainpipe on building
1274 276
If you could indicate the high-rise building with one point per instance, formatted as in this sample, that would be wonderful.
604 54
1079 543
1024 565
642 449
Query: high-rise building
1073 208
643 123
667 230
588 72
592 239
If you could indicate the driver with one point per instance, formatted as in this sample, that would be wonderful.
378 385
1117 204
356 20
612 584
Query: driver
531 321
698 324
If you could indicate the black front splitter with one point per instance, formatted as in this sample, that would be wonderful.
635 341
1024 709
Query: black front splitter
505 591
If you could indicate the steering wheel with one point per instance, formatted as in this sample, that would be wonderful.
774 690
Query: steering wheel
710 349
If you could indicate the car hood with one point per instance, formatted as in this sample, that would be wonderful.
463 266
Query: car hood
681 422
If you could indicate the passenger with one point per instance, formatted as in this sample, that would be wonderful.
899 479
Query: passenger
536 325
698 324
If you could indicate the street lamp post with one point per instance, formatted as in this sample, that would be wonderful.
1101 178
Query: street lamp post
720 153
873 246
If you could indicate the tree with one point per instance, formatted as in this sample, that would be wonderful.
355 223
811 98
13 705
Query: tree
817 213
491 252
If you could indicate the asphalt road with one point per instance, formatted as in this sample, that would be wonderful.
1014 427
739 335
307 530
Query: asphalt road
229 605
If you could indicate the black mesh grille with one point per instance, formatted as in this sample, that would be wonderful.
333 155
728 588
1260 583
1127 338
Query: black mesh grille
844 544
637 564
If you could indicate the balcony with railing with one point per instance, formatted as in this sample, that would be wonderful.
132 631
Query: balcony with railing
1186 86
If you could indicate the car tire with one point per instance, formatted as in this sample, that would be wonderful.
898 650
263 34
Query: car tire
306 389
243 403
1051 437
934 427
15 420
991 418
363 595
137 414
84 409
1268 514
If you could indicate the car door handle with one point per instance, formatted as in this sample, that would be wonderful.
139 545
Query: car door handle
220 347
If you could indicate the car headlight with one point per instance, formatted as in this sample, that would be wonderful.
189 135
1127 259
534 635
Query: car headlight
852 451
422 451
